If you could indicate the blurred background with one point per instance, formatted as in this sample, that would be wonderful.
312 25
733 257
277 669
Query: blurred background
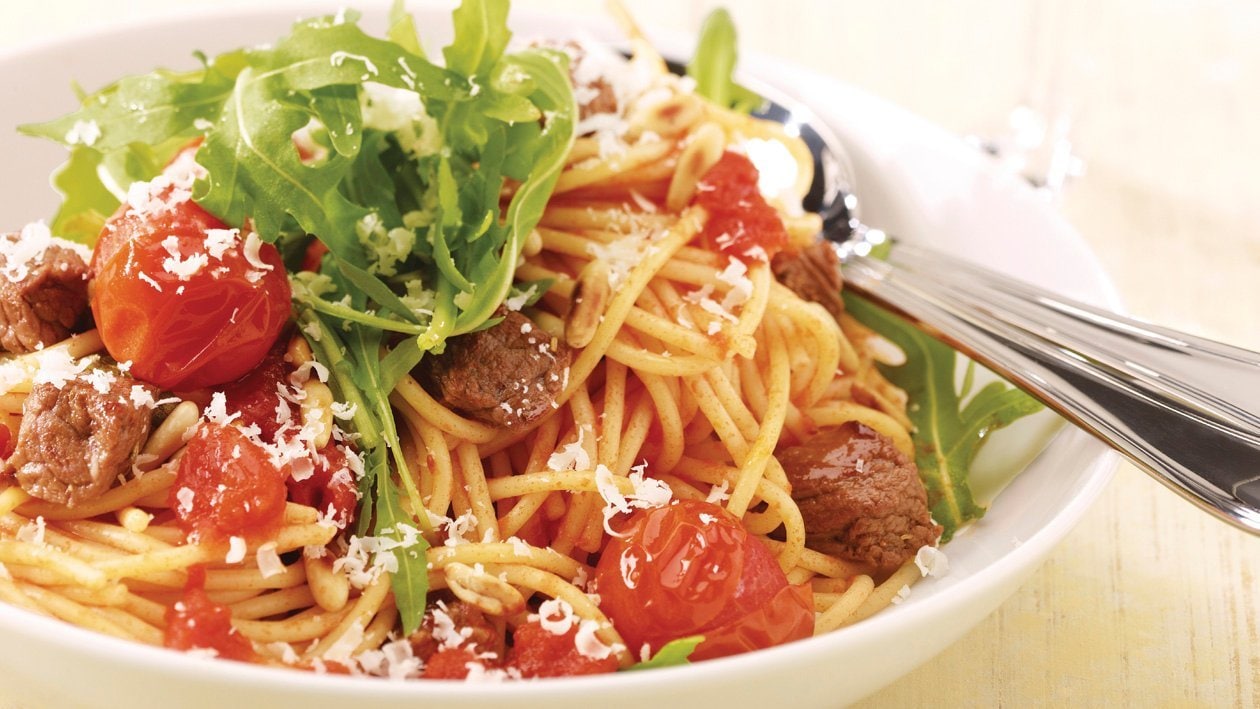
1146 111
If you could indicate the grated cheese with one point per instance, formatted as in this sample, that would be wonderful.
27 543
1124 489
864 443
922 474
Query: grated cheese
647 493
236 550
27 250
269 563
931 561
32 532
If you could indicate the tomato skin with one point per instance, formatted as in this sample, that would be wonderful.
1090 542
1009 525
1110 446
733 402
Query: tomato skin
236 490
537 652
740 219
196 622
690 568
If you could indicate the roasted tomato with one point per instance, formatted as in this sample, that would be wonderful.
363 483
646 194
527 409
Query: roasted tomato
740 220
198 623
189 302
227 486
690 568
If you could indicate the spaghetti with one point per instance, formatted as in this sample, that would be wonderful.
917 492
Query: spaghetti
693 367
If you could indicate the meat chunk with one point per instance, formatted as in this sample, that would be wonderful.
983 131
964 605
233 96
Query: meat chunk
452 623
506 376
74 441
43 291
855 488
592 92
813 273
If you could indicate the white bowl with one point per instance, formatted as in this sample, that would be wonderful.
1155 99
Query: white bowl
916 181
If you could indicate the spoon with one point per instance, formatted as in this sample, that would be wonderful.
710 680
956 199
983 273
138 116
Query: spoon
1184 409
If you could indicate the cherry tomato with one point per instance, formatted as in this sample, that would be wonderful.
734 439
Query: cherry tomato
196 328
537 652
740 219
690 568
227 486
196 622
179 295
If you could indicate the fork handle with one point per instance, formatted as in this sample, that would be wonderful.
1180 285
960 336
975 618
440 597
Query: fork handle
1183 408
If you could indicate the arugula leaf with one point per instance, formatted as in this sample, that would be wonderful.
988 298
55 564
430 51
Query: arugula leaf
481 35
948 433
673 653
714 62
410 582
151 108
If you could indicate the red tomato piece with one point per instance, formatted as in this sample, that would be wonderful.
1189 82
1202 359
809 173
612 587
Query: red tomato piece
198 623
537 652
450 663
740 219
690 568
255 395
227 486
328 489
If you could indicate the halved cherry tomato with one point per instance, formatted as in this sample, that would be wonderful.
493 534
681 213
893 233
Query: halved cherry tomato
690 568
187 311
227 486
740 219
198 623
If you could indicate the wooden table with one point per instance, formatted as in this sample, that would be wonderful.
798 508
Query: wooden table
1148 602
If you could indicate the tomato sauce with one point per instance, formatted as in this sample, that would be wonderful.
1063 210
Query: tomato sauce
537 652
198 623
227 486
7 443
740 219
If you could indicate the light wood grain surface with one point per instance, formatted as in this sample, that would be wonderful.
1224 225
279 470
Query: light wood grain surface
1148 602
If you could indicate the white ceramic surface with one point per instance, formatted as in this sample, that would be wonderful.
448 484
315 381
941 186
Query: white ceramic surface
915 180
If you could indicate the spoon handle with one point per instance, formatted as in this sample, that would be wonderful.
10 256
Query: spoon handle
1182 408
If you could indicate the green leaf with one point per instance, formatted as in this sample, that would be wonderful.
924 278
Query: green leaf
947 432
410 582
481 35
674 652
150 108
713 65
87 200
402 29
